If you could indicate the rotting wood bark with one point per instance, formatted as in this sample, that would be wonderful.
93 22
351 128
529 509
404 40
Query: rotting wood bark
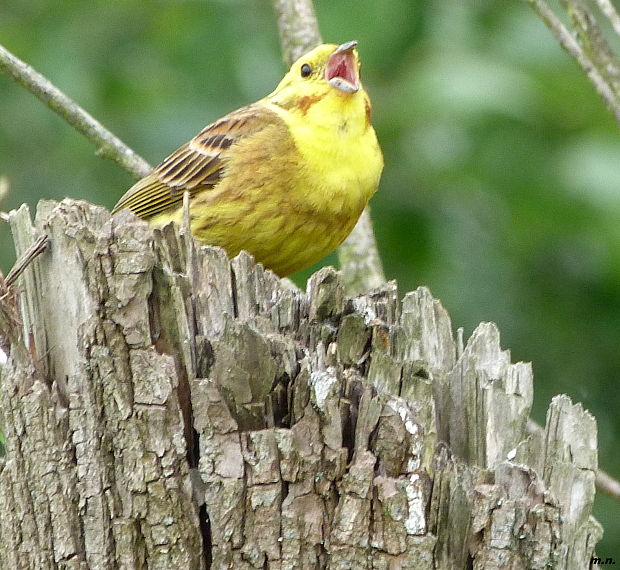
151 376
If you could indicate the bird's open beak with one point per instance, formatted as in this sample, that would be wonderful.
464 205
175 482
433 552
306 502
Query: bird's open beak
341 70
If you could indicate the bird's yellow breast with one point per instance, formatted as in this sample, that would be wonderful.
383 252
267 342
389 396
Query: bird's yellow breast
340 159
339 164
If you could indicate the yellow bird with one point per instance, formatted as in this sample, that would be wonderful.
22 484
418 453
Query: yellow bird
285 178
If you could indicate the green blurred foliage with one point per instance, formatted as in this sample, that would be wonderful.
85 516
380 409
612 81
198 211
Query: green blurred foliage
501 188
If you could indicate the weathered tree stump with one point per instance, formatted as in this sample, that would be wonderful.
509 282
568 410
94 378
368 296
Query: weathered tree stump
167 408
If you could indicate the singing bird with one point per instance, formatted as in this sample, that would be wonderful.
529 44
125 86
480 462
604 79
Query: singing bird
285 178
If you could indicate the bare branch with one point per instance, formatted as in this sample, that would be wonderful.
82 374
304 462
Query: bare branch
299 29
570 44
610 13
605 483
590 37
4 187
4 190
108 145
359 258
358 255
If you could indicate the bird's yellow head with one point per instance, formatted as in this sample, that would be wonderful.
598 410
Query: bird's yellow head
328 69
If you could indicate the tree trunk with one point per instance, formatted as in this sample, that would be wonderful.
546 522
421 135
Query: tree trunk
167 408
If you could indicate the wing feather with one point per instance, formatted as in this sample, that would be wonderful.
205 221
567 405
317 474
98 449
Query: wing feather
197 165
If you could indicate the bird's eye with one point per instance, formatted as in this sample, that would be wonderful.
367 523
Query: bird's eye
306 70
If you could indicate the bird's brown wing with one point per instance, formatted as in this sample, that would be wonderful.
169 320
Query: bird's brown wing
195 166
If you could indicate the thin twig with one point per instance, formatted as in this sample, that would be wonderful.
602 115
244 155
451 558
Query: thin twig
610 13
298 26
604 482
591 39
4 187
4 190
359 258
26 258
108 145
358 255
568 42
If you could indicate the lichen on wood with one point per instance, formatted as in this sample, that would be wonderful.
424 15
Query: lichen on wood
166 407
